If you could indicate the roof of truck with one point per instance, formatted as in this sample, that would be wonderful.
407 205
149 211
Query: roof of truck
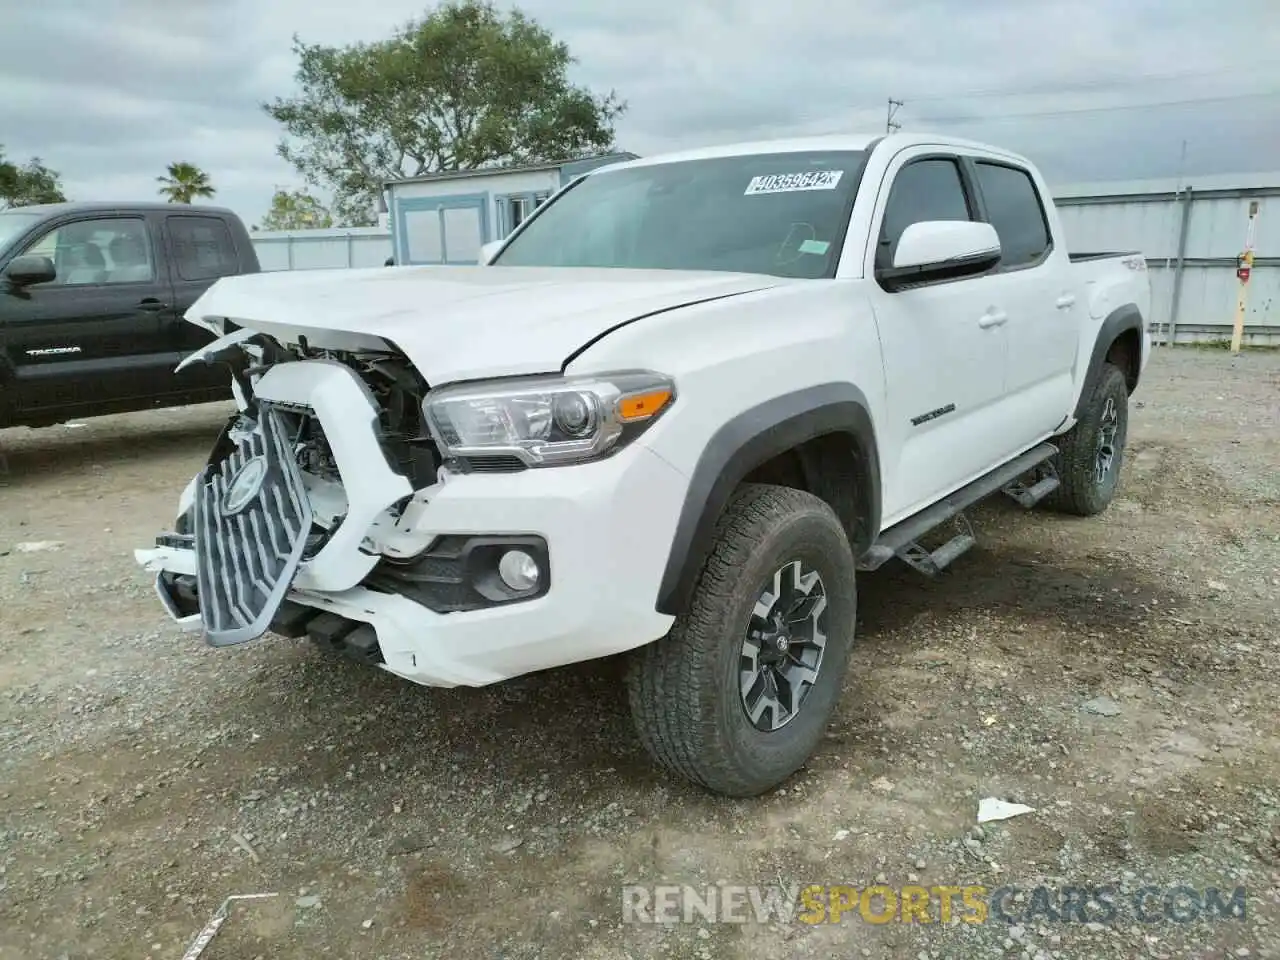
97 206
508 168
829 142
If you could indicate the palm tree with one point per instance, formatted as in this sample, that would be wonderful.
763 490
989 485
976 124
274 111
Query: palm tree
184 183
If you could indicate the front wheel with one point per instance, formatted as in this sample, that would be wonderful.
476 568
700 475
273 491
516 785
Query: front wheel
737 696
1092 451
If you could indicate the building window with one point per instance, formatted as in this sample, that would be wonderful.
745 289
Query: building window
515 208
444 229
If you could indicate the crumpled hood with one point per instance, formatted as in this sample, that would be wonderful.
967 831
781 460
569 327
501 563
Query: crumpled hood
460 323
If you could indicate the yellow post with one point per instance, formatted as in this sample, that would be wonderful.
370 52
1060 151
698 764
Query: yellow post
1244 271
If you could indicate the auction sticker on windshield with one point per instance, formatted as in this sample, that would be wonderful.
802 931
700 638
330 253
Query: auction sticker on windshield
791 182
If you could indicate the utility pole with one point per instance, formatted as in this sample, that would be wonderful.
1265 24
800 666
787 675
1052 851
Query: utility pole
1244 268
890 125
1168 260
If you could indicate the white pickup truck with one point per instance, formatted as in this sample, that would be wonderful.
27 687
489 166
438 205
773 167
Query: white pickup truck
673 415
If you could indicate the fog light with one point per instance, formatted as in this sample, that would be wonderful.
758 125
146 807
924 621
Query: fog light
518 570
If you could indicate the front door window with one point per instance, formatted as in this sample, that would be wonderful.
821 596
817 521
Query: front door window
105 251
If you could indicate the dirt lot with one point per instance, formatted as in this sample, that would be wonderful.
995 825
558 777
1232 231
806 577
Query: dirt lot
145 777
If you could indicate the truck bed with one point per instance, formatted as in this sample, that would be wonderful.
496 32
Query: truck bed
1101 255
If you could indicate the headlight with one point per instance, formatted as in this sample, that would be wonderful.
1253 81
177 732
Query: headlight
546 420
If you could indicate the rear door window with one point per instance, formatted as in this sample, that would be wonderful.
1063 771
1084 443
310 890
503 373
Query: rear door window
202 248
1014 208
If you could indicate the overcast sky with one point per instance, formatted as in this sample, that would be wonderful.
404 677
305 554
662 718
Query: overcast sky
109 91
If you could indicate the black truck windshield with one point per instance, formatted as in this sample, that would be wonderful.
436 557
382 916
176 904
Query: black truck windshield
12 224
782 214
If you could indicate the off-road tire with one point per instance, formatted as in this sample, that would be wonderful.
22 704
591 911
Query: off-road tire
684 689
1081 492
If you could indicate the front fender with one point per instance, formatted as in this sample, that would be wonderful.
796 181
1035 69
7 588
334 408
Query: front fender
748 440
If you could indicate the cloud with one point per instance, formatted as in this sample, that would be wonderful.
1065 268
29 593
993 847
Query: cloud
110 92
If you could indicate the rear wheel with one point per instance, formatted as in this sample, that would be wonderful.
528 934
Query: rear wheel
1092 452
737 696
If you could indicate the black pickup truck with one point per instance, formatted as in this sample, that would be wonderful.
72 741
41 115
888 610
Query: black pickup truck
92 297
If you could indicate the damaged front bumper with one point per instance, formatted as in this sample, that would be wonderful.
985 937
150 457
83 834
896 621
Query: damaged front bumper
404 579
175 583
253 532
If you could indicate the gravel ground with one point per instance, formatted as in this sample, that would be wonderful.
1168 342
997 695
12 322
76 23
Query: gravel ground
1117 674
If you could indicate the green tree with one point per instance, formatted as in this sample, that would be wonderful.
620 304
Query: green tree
462 87
184 183
296 210
21 186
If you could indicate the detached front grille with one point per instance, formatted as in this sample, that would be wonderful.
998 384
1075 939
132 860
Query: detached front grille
251 521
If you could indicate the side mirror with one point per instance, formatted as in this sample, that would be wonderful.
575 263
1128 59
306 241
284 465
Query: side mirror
25 271
488 250
942 249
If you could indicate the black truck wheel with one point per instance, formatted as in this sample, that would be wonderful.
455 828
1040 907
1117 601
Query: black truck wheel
737 696
1091 452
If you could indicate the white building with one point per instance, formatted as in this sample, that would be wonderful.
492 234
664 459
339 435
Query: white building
445 217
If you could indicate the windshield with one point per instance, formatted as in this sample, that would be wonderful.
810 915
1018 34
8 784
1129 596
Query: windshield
782 214
12 224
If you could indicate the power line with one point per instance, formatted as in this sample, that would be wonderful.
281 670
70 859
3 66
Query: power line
804 121
1049 89
1077 110
1107 109
1055 87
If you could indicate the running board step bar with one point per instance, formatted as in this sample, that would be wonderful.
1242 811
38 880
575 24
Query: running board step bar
1028 495
900 540
932 563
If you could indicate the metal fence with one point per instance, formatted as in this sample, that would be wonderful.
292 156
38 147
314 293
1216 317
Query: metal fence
1191 233
322 249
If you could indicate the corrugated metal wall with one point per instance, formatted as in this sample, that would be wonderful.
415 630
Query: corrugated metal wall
1191 235
1151 216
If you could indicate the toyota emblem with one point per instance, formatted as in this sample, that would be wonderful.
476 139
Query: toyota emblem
244 486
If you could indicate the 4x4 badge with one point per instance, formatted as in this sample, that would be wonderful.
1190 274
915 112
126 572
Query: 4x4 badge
244 486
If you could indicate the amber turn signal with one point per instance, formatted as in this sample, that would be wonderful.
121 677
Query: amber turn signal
642 406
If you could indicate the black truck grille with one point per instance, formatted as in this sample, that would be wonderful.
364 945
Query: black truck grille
251 522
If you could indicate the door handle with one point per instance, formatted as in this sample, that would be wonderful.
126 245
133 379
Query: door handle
152 305
992 318
1066 301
